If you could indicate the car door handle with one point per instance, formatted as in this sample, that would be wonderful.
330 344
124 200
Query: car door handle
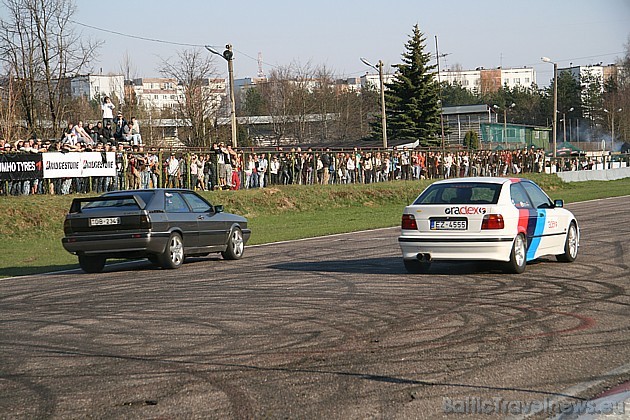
200 217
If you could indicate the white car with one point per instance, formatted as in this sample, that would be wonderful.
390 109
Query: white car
510 220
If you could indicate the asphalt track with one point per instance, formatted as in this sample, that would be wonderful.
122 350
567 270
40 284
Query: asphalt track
322 328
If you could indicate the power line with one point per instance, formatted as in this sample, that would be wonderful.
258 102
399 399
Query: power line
161 41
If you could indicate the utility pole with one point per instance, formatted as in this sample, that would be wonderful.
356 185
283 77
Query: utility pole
437 58
228 55
383 117
379 67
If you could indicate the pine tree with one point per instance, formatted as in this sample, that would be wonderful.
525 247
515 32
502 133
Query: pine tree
412 98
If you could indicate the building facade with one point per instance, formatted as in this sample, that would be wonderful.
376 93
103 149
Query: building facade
165 93
482 81
597 73
97 87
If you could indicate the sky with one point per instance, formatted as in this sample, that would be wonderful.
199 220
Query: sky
337 33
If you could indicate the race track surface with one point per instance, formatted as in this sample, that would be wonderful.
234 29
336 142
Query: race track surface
330 327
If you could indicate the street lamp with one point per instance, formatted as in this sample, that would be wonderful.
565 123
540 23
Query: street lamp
228 55
505 108
612 126
379 67
564 123
555 102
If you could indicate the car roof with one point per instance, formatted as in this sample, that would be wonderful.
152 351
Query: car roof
478 180
147 190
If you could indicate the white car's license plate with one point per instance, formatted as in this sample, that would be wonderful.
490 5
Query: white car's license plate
449 224
105 221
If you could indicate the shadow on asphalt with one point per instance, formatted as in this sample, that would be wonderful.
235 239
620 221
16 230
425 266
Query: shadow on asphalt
112 266
386 265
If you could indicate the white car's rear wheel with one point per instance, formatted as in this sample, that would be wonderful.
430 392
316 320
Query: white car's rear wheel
518 256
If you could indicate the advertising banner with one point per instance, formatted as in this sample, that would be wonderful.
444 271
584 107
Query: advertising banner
98 164
20 166
62 165
79 165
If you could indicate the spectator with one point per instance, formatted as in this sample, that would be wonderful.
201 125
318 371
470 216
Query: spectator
108 136
119 127
261 170
80 133
135 132
97 133
108 111
172 165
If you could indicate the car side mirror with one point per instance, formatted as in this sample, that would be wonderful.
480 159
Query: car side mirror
218 209
558 203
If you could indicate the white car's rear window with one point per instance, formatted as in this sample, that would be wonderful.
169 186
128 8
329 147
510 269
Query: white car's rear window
460 193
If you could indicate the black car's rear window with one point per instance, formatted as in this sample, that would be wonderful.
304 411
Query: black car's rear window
460 193
119 199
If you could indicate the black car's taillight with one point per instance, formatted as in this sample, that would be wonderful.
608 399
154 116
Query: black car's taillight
145 223
67 227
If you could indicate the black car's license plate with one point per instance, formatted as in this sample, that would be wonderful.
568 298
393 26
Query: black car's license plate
459 223
105 221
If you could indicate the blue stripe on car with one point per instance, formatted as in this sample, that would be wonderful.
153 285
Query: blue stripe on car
541 220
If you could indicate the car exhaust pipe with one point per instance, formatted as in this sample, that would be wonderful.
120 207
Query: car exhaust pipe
424 257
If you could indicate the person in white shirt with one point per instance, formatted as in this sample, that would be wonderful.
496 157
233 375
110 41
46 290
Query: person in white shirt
81 134
262 170
448 162
108 111
173 171
274 168
136 138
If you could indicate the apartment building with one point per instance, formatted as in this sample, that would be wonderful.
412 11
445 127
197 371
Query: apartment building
596 72
484 81
161 93
95 86
158 93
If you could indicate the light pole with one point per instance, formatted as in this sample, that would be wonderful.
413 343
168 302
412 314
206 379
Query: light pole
379 67
564 123
505 108
612 126
555 102
228 55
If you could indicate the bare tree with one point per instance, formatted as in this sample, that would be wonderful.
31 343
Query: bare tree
40 45
127 68
302 101
194 70
324 97
9 124
276 93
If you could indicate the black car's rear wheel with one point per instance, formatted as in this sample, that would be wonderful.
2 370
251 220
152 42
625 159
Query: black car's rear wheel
235 245
173 255
91 264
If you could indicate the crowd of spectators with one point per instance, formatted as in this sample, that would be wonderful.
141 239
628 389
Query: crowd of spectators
223 167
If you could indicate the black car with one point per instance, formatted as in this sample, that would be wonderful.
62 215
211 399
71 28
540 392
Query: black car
163 225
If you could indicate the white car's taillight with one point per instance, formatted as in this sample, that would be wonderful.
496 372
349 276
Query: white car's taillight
409 222
492 221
